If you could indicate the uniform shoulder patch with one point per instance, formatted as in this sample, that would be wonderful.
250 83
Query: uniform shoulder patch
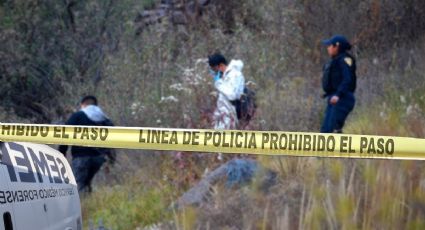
349 61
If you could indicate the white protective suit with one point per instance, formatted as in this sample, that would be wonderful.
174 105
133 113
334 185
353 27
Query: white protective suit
230 87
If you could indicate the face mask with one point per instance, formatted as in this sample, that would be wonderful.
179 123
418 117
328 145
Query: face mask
215 75
212 73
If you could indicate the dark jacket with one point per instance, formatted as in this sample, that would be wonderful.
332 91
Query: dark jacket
339 75
91 116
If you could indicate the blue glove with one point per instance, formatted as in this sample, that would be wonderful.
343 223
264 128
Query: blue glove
212 72
217 76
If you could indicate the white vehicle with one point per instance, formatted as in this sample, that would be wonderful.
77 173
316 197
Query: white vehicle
37 189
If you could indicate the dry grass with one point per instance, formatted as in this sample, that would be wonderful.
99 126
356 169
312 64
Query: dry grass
158 79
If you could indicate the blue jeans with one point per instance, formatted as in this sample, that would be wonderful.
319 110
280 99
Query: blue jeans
336 115
85 168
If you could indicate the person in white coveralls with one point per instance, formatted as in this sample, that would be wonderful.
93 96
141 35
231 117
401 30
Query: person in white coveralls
229 82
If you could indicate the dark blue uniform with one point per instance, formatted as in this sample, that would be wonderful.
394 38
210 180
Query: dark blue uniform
339 79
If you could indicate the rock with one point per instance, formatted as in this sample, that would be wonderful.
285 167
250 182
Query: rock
236 173
177 12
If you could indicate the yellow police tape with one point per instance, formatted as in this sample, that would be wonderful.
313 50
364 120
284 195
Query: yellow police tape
224 141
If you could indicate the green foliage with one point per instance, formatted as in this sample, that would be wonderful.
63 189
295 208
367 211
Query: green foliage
127 206
48 45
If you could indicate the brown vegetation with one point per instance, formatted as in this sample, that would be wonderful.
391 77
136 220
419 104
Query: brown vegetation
54 52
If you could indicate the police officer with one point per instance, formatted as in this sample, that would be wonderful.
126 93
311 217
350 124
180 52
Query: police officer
339 84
